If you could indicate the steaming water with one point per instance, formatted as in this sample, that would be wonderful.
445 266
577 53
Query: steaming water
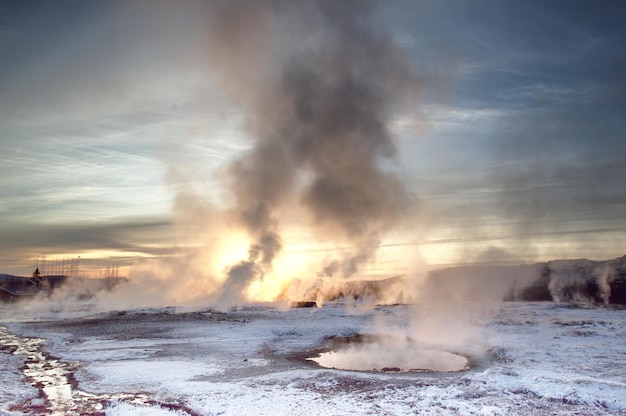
406 357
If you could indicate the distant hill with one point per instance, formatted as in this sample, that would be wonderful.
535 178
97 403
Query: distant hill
581 280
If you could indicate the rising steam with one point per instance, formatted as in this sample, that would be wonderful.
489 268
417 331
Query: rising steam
318 85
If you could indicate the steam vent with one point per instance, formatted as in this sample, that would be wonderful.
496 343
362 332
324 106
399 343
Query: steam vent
387 355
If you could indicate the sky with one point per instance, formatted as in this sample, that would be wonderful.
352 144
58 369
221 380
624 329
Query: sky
142 131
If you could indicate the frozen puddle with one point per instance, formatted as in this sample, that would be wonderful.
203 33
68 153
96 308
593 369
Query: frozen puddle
53 378
59 393
390 355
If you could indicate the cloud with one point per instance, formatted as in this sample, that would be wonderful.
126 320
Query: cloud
98 100
141 237
540 174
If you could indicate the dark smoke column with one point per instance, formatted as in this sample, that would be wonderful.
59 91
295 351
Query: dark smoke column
319 85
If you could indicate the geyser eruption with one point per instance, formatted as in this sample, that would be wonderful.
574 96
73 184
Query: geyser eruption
318 86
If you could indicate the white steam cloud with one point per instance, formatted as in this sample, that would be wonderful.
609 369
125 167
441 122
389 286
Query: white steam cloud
318 85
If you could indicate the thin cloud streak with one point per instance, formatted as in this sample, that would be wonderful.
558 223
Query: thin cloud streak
143 237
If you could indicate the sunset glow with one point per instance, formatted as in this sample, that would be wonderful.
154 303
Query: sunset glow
153 137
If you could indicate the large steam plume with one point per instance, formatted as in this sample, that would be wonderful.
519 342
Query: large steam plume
318 85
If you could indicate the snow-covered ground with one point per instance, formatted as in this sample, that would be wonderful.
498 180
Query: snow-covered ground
525 358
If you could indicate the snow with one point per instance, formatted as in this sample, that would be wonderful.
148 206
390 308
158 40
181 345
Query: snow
526 358
14 388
